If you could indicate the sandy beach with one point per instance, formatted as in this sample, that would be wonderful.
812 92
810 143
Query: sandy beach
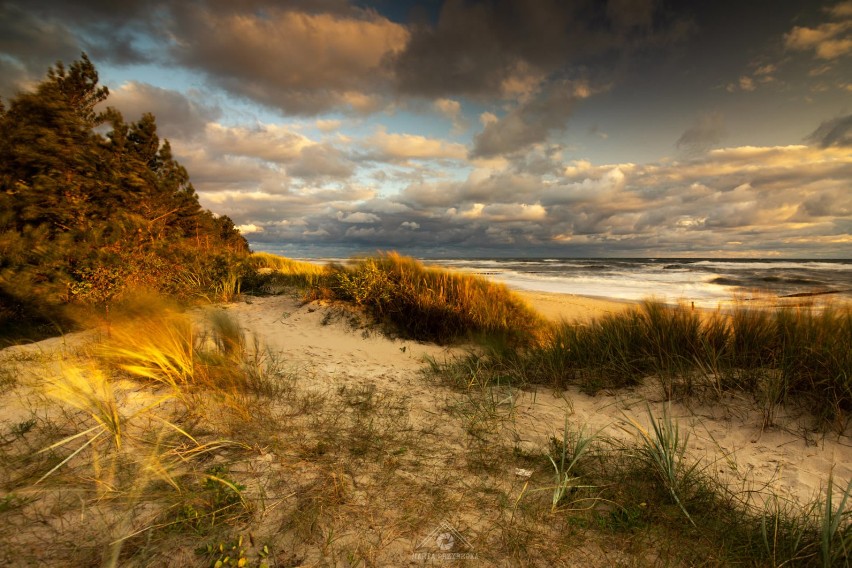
788 457
333 351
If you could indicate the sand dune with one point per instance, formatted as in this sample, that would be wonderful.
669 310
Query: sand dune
335 344
332 348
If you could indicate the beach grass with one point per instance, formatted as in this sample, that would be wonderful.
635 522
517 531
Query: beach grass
182 441
430 303
273 274
779 355
799 354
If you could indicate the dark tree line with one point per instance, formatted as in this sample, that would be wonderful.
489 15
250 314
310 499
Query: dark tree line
92 206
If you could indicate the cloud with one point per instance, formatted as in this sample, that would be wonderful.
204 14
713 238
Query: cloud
35 34
29 46
530 122
328 125
298 61
834 132
382 146
452 110
269 142
249 229
508 47
178 115
628 14
449 108
321 161
785 198
358 217
707 131
829 40
841 10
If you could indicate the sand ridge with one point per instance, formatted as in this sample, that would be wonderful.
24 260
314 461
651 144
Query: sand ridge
338 346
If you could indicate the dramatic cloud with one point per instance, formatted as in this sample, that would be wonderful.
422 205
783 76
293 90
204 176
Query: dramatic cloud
178 115
764 196
530 122
297 61
834 132
509 46
461 127
29 45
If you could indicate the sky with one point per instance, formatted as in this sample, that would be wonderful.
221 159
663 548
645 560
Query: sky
503 128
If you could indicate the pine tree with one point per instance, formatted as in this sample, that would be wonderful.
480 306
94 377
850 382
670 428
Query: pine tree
80 209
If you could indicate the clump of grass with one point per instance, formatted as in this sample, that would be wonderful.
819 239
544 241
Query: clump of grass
776 354
123 452
664 451
836 527
90 391
158 348
569 450
227 334
168 350
273 274
430 303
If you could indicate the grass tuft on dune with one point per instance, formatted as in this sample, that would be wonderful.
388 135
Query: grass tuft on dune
430 303
778 355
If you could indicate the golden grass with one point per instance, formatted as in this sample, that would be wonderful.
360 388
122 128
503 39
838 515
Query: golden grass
159 348
274 274
343 476
432 303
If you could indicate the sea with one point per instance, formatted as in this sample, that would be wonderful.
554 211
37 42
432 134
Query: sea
704 282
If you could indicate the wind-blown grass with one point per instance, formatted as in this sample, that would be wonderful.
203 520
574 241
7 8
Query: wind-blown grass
273 273
778 355
430 303
129 448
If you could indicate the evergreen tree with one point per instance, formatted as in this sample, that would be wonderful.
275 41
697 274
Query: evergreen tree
85 214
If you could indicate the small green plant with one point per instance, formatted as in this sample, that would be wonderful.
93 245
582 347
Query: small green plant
22 428
664 452
236 553
569 450
836 527
217 498
11 502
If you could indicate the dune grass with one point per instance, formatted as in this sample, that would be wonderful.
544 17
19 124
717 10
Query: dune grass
126 434
179 437
430 303
415 301
273 274
779 355
165 430
801 354
648 493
